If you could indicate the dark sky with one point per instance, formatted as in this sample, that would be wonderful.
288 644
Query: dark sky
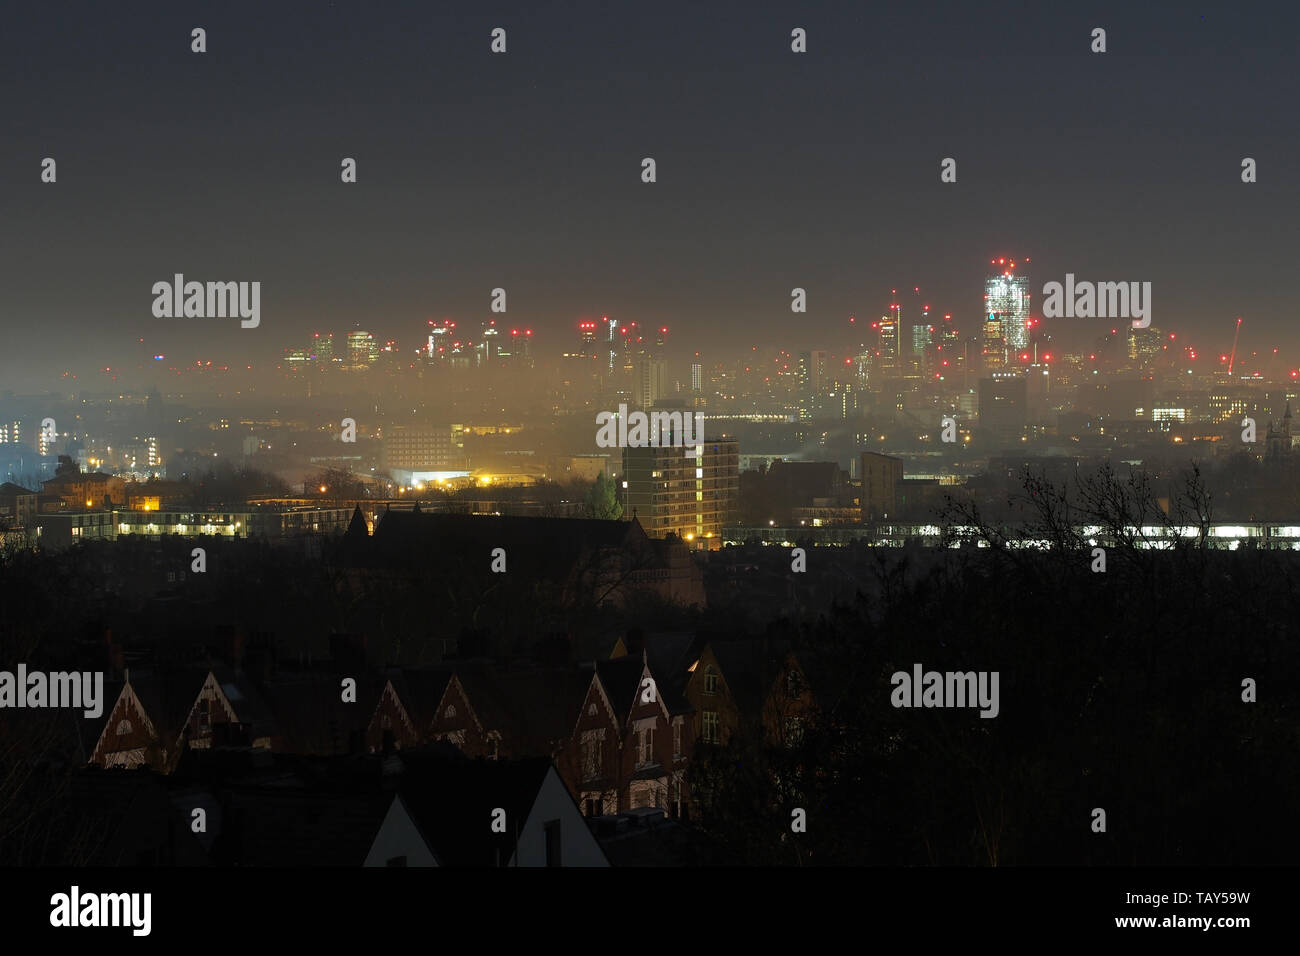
523 170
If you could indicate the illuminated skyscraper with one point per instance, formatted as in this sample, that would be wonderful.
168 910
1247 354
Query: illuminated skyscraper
994 344
1006 301
887 345
362 348
1144 345
322 347
611 326
440 337
489 346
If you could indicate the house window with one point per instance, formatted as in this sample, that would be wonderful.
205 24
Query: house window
710 681
205 717
645 746
591 710
793 731
794 685
124 728
590 758
711 728
450 711
677 738
553 843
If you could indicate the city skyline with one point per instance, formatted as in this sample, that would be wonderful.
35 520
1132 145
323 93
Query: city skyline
810 186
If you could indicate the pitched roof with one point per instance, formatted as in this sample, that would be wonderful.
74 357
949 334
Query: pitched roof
481 690
543 705
452 801
246 698
420 690
357 527
669 654
750 667
621 678
168 697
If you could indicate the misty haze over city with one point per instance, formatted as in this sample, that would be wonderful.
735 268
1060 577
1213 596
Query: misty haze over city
741 436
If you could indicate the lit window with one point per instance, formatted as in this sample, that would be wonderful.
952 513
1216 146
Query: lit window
712 733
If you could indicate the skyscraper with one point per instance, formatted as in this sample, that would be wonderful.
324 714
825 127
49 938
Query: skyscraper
888 345
363 350
651 382
440 337
587 335
1006 301
994 345
489 347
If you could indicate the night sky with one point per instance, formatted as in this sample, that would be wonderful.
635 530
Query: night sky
522 170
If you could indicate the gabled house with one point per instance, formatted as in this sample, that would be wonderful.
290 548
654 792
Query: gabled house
756 688
458 704
456 812
623 753
541 707
670 657
155 716
396 722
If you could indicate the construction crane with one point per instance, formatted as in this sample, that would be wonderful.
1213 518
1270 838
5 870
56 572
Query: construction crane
1233 357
